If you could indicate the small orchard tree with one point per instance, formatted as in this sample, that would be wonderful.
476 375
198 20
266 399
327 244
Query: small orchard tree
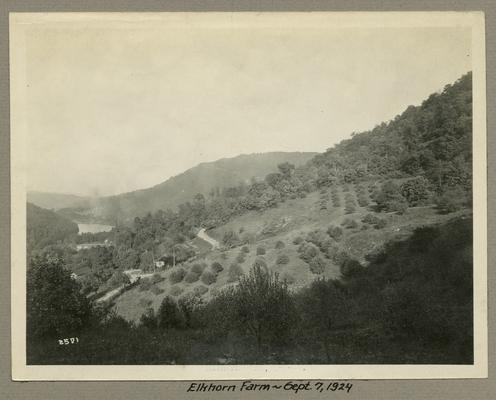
282 259
335 232
297 240
191 277
350 207
208 278
307 251
260 251
177 275
176 290
198 267
216 267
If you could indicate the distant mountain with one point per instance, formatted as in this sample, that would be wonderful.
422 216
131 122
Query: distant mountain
206 178
56 201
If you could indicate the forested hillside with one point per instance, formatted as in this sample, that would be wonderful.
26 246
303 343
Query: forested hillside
45 227
433 140
210 179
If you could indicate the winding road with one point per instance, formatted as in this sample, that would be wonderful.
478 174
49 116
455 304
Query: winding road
135 274
202 234
110 295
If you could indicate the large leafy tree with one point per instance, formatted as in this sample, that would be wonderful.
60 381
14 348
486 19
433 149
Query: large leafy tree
264 307
324 309
55 305
389 198
169 315
416 191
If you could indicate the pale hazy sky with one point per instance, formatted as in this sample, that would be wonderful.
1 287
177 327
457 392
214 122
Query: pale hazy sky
112 110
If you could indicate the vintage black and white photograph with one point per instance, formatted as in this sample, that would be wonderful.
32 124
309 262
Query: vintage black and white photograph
224 191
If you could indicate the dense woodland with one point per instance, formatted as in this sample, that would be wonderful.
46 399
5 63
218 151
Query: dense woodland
411 302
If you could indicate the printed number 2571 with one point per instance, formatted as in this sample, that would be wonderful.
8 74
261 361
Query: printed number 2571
66 341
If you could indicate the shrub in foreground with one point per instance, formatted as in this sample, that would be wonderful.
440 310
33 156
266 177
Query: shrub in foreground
263 307
317 265
288 278
216 267
235 271
200 290
260 263
307 251
208 278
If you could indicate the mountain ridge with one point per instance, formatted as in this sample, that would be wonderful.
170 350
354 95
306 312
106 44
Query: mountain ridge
202 178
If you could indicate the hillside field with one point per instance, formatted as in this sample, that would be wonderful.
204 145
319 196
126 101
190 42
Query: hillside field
287 223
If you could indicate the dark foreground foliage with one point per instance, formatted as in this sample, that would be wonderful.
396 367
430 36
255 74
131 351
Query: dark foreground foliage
411 304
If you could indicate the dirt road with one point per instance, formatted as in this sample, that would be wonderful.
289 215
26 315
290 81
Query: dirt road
202 234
